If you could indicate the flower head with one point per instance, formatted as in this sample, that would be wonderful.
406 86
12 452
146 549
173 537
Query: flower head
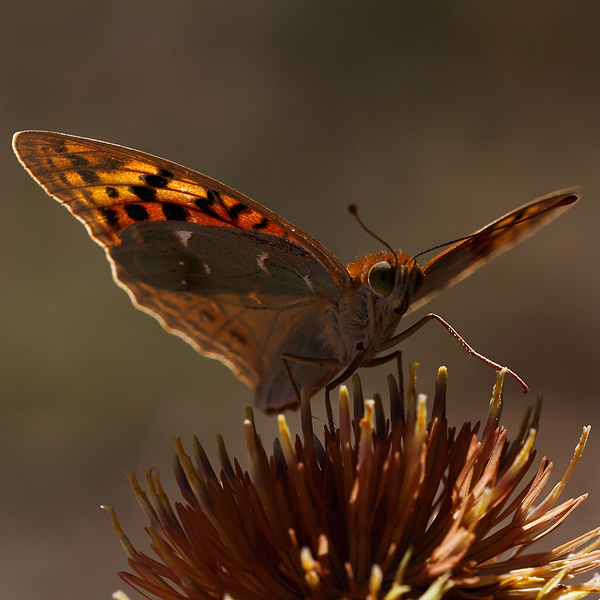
385 508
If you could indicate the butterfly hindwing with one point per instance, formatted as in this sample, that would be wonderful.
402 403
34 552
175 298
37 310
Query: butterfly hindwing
240 297
265 273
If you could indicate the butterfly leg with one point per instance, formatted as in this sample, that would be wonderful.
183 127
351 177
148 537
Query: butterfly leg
286 366
325 362
432 316
381 360
352 367
319 362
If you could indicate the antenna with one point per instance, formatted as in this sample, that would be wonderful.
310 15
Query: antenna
563 202
354 212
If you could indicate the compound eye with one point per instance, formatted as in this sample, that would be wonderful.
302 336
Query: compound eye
382 278
418 279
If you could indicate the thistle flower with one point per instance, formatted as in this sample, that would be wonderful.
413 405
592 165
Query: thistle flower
383 509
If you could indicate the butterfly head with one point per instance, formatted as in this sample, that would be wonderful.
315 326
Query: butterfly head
392 278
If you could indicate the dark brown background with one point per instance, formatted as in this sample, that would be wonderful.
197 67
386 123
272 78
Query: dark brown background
434 119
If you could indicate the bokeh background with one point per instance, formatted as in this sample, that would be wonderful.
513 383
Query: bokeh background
434 117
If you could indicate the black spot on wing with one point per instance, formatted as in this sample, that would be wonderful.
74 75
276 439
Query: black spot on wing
112 192
213 196
174 212
110 163
238 337
111 216
155 181
57 146
206 316
144 193
235 210
76 160
88 176
136 212
262 225
165 173
204 204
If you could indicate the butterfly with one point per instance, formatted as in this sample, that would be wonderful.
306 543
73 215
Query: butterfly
241 284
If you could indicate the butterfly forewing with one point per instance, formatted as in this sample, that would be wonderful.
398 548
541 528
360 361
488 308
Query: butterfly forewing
461 259
110 187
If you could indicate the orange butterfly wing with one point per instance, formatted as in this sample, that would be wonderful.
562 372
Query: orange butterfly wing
157 219
464 257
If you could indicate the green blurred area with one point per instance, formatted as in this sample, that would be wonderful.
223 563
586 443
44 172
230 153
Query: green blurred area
434 118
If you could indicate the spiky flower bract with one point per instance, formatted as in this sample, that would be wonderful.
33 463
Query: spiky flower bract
383 509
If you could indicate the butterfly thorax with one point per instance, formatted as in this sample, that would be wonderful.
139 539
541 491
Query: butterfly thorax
368 314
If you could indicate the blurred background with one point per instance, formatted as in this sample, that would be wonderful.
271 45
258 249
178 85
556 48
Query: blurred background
434 118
